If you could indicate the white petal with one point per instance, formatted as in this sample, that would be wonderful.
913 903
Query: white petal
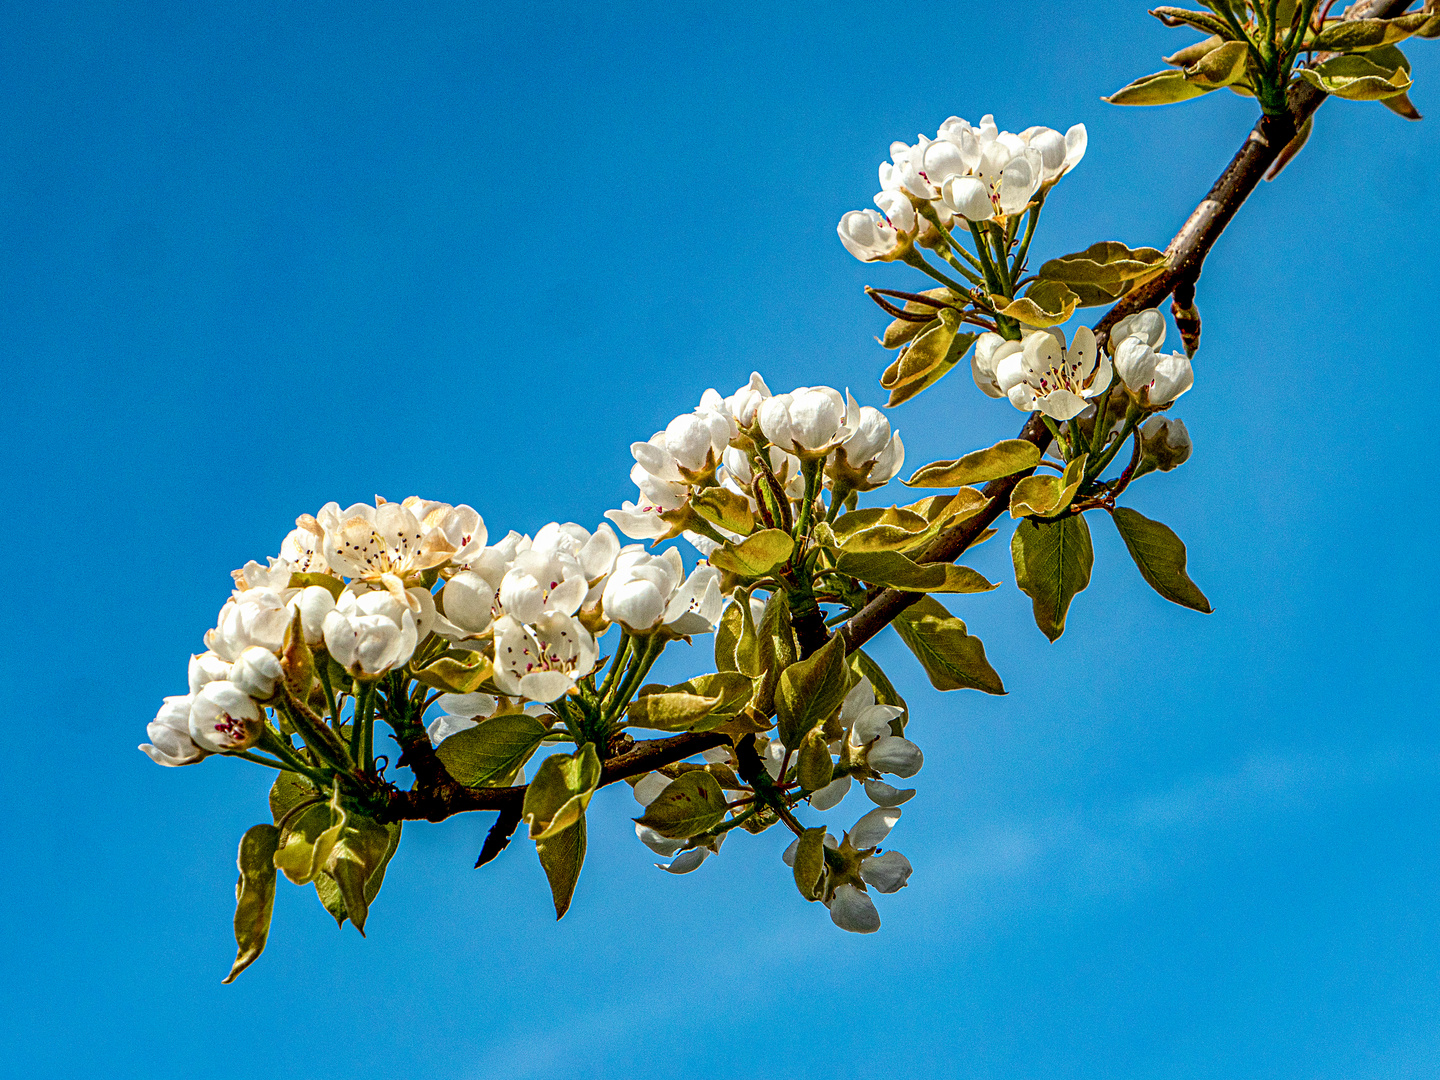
687 861
851 909
830 795
882 794
886 873
872 829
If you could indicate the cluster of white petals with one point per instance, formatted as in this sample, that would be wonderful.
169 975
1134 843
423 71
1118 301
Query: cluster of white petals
1040 372
718 445
651 592
976 172
1155 378
851 907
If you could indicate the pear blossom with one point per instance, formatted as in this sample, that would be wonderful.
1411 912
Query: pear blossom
539 583
169 733
370 633
869 236
256 672
303 547
745 402
594 553
251 617
223 717
541 661
886 873
870 739
1153 378
871 456
981 172
388 544
1148 325
853 910
991 348
313 602
649 592
1166 441
206 667
808 421
252 575
1045 375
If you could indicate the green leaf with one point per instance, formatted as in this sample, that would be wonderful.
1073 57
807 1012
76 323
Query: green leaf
562 855
361 850
287 792
1045 303
934 351
885 693
1220 67
1360 35
747 649
775 650
691 805
1357 78
726 508
902 331
1047 495
896 571
254 895
328 893
1161 88
297 662
951 657
1160 555
810 862
683 708
1191 53
757 555
1052 564
492 750
307 840
1401 105
1104 271
1003 459
456 676
560 792
814 767
1200 20
810 690
729 629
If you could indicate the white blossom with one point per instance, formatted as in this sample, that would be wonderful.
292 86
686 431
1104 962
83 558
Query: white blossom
223 717
808 421
1166 441
313 602
256 672
1045 375
304 547
853 910
207 667
542 661
388 544
871 456
868 235
370 633
886 873
649 592
169 733
252 617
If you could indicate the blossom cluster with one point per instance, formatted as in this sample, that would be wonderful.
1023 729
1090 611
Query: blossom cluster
360 584
754 439
973 172
865 747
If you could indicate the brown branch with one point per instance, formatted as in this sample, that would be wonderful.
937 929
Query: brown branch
1186 254
436 795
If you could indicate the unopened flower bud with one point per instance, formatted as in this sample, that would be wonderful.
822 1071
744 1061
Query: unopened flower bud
170 743
256 672
1164 443
223 717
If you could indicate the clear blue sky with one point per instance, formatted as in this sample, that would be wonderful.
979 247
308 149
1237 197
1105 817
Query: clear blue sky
256 257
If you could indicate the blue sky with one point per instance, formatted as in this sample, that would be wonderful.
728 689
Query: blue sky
257 258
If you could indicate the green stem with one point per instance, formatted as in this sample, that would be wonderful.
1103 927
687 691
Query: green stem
364 693
948 254
1097 437
1032 216
992 276
1054 430
1098 467
272 741
332 707
915 259
616 664
811 471
997 244
954 245
643 661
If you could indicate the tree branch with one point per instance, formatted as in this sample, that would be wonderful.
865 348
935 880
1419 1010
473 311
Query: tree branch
437 796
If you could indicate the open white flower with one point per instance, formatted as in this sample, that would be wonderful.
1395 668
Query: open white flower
252 575
169 733
542 661
541 582
304 547
871 739
869 236
1045 375
1154 378
370 633
223 717
388 545
645 593
871 456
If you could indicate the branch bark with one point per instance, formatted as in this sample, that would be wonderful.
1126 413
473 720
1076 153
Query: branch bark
437 796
